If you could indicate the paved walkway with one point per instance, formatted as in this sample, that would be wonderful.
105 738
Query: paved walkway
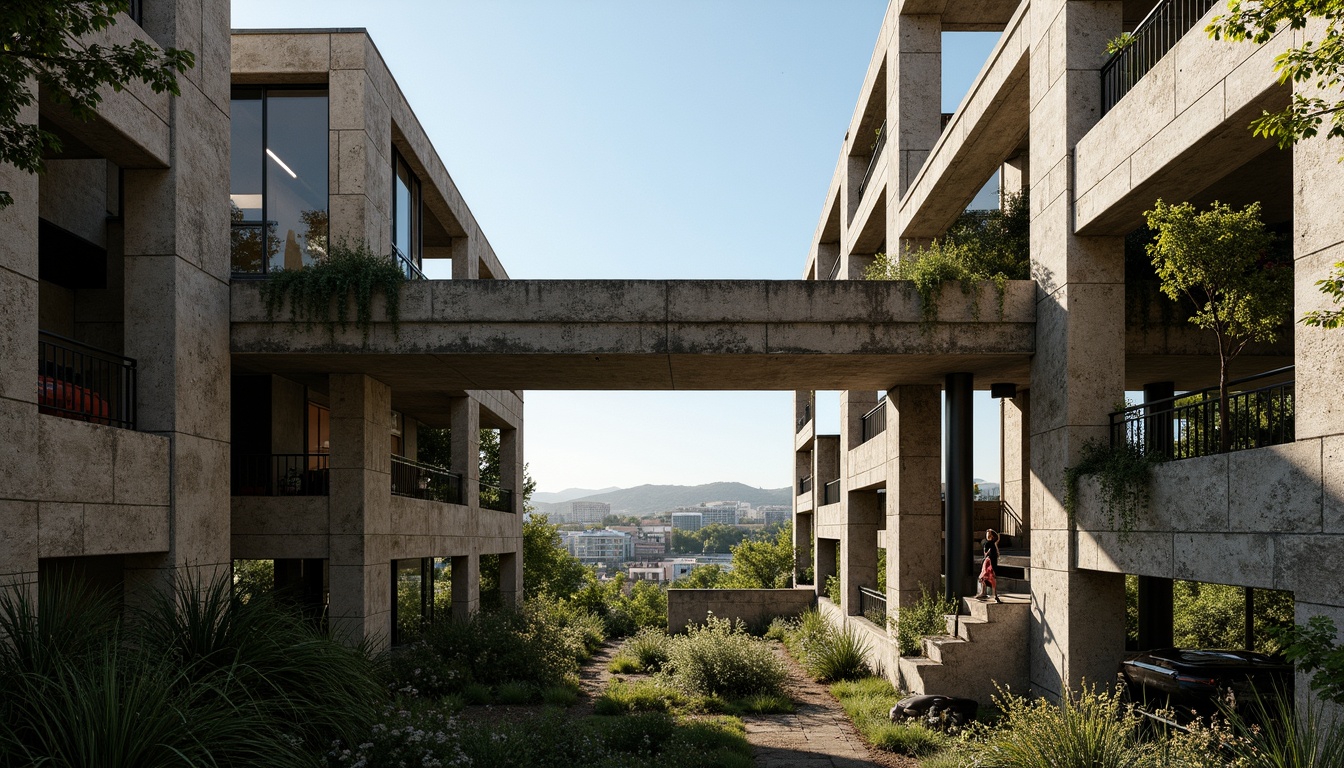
816 735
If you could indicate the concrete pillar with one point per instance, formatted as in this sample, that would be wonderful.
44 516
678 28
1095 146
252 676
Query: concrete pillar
958 456
464 438
466 585
510 578
826 463
853 406
828 261
1078 617
360 504
20 477
177 270
360 125
858 556
511 465
802 546
827 561
914 508
466 259
914 100
803 406
1015 463
1014 177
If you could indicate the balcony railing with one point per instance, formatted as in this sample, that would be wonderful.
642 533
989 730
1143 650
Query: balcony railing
1159 31
873 606
805 418
77 381
874 422
425 481
496 498
804 484
1189 425
407 264
281 474
872 160
830 493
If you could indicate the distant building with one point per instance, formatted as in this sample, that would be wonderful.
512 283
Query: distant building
776 515
687 521
713 512
649 571
589 512
600 547
649 548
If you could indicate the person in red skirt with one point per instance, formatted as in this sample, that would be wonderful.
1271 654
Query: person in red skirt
987 568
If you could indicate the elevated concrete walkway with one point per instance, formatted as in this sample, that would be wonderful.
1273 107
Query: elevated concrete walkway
986 646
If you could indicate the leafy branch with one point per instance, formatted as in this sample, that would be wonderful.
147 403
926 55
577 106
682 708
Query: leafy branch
347 271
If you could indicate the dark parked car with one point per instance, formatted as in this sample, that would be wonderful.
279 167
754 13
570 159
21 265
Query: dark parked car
1196 681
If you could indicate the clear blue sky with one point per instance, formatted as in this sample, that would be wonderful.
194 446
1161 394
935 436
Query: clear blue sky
684 139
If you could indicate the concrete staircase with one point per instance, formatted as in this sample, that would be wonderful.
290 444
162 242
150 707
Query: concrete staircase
986 644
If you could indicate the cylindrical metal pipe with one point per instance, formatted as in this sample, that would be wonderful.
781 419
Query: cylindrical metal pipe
959 503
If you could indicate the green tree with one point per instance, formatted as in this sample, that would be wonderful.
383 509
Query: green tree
1313 648
1332 286
1218 260
763 563
40 45
684 543
720 538
703 577
1319 63
548 569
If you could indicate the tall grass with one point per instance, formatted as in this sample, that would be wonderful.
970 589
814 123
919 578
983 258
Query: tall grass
828 654
1308 737
868 702
1090 729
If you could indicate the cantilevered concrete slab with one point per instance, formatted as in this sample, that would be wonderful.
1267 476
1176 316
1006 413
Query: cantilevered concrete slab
663 335
964 15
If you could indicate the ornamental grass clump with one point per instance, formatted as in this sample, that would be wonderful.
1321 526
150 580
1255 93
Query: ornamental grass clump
721 658
649 648
1089 729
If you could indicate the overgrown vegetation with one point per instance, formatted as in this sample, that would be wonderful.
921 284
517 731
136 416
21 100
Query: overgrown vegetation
1312 647
1332 286
925 618
1091 728
758 563
980 245
719 658
828 654
868 702
350 271
1124 475
647 651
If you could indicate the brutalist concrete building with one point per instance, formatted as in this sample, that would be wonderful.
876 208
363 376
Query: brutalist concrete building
137 443
1094 140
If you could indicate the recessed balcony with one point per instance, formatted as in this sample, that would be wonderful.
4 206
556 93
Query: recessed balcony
81 382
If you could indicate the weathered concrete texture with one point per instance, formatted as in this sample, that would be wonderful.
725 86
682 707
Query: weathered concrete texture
655 335
755 607
984 649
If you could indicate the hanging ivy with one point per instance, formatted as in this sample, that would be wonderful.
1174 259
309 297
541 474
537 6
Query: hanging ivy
345 272
1124 474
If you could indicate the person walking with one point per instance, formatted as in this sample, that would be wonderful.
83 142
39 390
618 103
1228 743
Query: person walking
989 567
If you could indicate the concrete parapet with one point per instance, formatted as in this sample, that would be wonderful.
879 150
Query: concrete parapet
755 607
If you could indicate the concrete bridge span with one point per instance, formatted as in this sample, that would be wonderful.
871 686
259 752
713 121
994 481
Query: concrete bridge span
654 335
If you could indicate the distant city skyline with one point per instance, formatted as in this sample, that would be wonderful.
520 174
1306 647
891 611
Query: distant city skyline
666 140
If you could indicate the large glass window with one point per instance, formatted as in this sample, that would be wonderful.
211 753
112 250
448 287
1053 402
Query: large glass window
406 215
278 178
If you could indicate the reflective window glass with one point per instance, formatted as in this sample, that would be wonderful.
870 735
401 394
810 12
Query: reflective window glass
296 176
247 237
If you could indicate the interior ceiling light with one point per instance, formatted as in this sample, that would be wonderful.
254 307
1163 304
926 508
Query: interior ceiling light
273 156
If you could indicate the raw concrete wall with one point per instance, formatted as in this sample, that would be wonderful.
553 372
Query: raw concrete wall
755 607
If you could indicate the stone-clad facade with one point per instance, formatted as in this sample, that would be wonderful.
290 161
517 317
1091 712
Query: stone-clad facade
136 445
1265 517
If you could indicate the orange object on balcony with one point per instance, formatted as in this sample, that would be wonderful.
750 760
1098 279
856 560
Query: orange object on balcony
62 398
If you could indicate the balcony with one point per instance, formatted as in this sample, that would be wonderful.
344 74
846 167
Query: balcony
805 418
496 498
876 150
281 474
1260 410
407 265
425 481
874 422
804 484
1159 31
84 383
830 493
873 606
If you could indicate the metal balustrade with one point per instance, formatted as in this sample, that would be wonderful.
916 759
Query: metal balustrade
1190 425
830 493
874 422
281 474
81 382
496 498
804 484
877 148
873 606
425 481
1157 34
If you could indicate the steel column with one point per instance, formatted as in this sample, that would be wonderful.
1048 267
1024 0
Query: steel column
960 498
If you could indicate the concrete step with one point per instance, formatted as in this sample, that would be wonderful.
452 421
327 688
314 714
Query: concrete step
944 648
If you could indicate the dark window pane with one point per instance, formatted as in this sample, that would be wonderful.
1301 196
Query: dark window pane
296 176
245 182
402 210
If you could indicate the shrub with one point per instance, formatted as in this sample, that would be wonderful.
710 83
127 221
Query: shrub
560 696
1306 737
476 693
909 740
719 657
924 618
1090 729
648 648
780 628
868 703
639 696
514 693
838 655
834 590
625 665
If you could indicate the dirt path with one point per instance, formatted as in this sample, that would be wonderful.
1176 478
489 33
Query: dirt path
817 735
594 676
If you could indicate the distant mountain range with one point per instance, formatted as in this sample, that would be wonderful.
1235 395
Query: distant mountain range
569 494
652 499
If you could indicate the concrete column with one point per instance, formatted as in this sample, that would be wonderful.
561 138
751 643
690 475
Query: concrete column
803 406
828 259
914 508
510 578
1015 458
511 464
360 181
20 477
466 259
858 556
826 463
466 585
1014 177
853 406
802 546
464 438
914 100
360 502
827 562
959 508
177 290
1078 617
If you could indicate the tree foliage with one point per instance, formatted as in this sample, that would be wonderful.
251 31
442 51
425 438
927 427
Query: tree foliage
1220 261
1312 646
41 45
764 563
1333 287
1318 64
712 539
548 568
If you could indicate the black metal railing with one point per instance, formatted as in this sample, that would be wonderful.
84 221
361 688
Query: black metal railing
77 381
874 422
496 498
1190 425
408 265
805 418
830 493
1159 31
425 481
281 474
873 606
876 150
804 484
